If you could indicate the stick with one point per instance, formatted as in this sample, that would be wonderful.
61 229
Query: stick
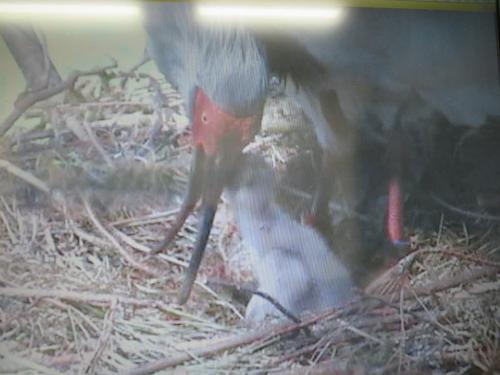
103 341
91 298
25 176
451 282
25 363
458 254
328 367
261 294
457 210
24 103
124 253
101 299
96 144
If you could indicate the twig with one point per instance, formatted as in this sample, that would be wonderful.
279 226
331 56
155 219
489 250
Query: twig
95 143
103 339
128 74
344 324
402 339
401 312
463 278
61 361
101 299
458 254
159 99
398 270
25 176
261 294
10 233
32 136
328 367
463 212
91 298
23 104
144 220
451 282
24 363
394 275
300 352
134 263
479 288
230 343
80 233
430 318
144 249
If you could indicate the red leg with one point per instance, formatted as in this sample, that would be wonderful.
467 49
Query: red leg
395 227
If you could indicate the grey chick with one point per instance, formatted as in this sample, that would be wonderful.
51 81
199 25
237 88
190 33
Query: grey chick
292 262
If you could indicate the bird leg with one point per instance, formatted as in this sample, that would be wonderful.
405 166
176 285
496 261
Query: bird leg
395 202
394 221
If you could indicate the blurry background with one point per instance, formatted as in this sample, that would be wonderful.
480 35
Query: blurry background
77 45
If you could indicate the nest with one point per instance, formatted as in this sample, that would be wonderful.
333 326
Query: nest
94 185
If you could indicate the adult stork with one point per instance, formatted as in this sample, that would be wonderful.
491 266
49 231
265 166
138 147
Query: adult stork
374 64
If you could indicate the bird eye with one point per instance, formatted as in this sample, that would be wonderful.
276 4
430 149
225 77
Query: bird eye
204 118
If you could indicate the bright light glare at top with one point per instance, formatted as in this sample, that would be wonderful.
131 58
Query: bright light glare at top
78 10
294 15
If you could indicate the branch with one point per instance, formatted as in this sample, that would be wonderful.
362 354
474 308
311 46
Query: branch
465 277
460 211
25 102
128 74
85 297
103 341
400 270
95 143
25 176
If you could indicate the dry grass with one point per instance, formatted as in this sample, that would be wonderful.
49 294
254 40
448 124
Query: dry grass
81 295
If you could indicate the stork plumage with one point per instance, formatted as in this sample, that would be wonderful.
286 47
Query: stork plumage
384 70
361 74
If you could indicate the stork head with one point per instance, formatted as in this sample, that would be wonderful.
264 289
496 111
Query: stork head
219 133
221 72
218 138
